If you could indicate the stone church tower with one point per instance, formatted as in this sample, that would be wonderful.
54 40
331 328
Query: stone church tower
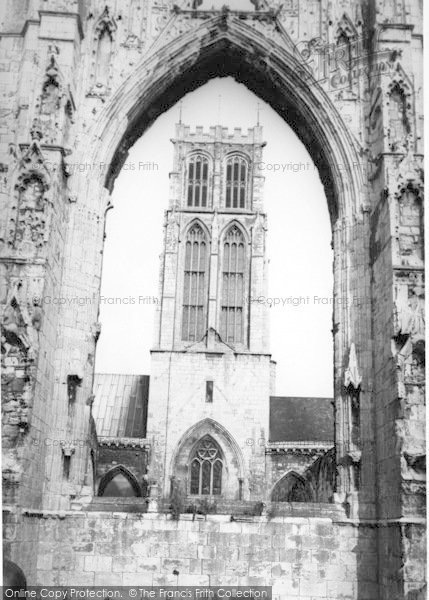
211 367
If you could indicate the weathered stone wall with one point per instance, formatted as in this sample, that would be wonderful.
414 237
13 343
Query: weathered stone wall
304 558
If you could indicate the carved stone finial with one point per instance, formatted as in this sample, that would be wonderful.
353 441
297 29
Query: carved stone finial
352 377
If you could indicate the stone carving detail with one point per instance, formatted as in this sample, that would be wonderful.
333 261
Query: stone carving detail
259 232
137 23
171 232
398 103
345 50
375 118
51 91
52 123
29 225
104 36
68 448
352 452
416 462
410 227
19 343
15 342
345 29
409 173
410 334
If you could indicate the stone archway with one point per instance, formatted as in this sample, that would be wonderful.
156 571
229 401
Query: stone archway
13 575
347 133
290 488
112 473
265 60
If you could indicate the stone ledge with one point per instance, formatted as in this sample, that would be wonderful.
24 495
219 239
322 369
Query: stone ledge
124 442
310 448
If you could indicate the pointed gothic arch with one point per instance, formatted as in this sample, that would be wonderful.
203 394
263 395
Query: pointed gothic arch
346 39
114 472
346 28
233 468
399 99
234 223
199 223
228 46
290 488
104 37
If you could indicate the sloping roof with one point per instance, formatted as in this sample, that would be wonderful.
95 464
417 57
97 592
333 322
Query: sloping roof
120 405
120 410
301 419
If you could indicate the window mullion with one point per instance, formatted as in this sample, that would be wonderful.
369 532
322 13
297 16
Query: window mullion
191 290
228 292
197 294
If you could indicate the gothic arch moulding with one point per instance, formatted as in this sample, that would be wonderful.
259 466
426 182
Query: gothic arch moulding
112 473
223 234
233 463
103 46
199 223
227 46
30 212
399 103
290 488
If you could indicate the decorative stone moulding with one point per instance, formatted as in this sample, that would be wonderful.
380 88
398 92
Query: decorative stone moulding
68 448
124 442
299 448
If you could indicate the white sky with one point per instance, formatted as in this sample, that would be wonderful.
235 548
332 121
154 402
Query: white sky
299 238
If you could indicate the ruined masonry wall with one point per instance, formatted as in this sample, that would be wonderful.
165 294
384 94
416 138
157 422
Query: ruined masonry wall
306 558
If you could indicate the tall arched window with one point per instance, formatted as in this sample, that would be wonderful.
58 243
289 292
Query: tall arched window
206 468
233 265
198 181
236 182
195 285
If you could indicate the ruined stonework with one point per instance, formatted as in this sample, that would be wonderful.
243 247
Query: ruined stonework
81 82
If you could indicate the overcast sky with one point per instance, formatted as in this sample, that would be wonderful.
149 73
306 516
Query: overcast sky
299 238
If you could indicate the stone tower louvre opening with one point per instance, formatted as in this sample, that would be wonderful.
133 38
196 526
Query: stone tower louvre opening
84 80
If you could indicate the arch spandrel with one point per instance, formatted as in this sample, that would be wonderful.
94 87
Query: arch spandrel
228 46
